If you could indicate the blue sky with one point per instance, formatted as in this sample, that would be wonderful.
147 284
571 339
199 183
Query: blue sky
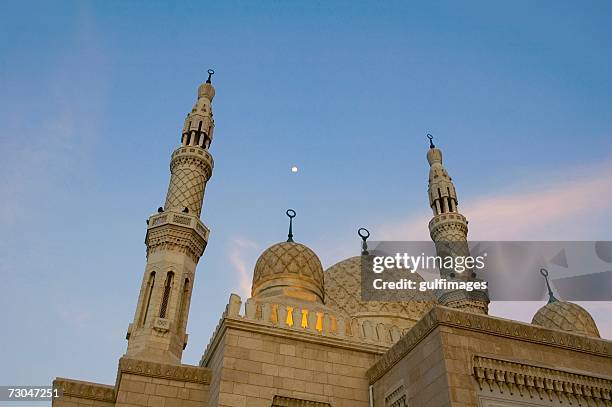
518 95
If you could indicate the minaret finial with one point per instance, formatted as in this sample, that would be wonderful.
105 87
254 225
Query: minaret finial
364 234
551 296
211 72
431 144
291 213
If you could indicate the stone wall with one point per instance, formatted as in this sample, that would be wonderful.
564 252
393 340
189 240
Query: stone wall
140 384
482 364
465 359
420 375
291 351
77 393
256 366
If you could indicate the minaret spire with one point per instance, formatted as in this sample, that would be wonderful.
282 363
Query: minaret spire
291 214
176 239
186 189
431 144
448 229
551 295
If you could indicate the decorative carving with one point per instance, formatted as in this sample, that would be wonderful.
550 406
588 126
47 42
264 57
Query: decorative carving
185 373
161 325
536 381
280 401
445 316
169 236
85 390
182 220
158 220
397 398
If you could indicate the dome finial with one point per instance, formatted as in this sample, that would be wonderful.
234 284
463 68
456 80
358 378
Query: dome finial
364 234
431 144
211 72
291 214
551 296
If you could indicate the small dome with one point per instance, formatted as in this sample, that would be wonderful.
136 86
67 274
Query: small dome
434 155
288 269
566 316
343 293
206 90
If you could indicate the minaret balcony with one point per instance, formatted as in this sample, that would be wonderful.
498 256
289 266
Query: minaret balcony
447 217
176 231
179 219
196 151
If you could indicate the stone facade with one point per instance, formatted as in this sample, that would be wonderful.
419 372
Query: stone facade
306 338
293 352
141 383
455 358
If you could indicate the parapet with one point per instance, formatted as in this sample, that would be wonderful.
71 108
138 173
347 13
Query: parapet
311 319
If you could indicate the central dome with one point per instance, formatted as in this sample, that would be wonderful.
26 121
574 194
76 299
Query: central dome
288 269
343 293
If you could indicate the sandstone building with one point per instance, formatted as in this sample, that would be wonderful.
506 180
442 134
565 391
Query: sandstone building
306 338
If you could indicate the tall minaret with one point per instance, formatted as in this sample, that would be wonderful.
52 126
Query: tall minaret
448 229
176 238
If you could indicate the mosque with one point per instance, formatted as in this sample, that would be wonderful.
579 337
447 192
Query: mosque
306 338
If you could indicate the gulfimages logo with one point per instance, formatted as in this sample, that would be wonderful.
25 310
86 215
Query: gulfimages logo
414 263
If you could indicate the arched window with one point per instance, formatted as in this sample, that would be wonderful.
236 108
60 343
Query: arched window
184 301
442 209
166 297
147 301
185 140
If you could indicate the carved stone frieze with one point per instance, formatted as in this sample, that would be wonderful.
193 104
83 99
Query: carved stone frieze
185 373
85 390
172 235
444 316
280 401
533 381
198 155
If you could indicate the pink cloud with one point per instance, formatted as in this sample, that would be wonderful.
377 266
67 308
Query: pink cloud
559 210
563 211
241 254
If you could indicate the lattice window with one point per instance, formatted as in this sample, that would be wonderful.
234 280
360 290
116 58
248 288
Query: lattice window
397 398
166 297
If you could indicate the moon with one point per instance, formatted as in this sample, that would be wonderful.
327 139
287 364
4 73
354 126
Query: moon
294 169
